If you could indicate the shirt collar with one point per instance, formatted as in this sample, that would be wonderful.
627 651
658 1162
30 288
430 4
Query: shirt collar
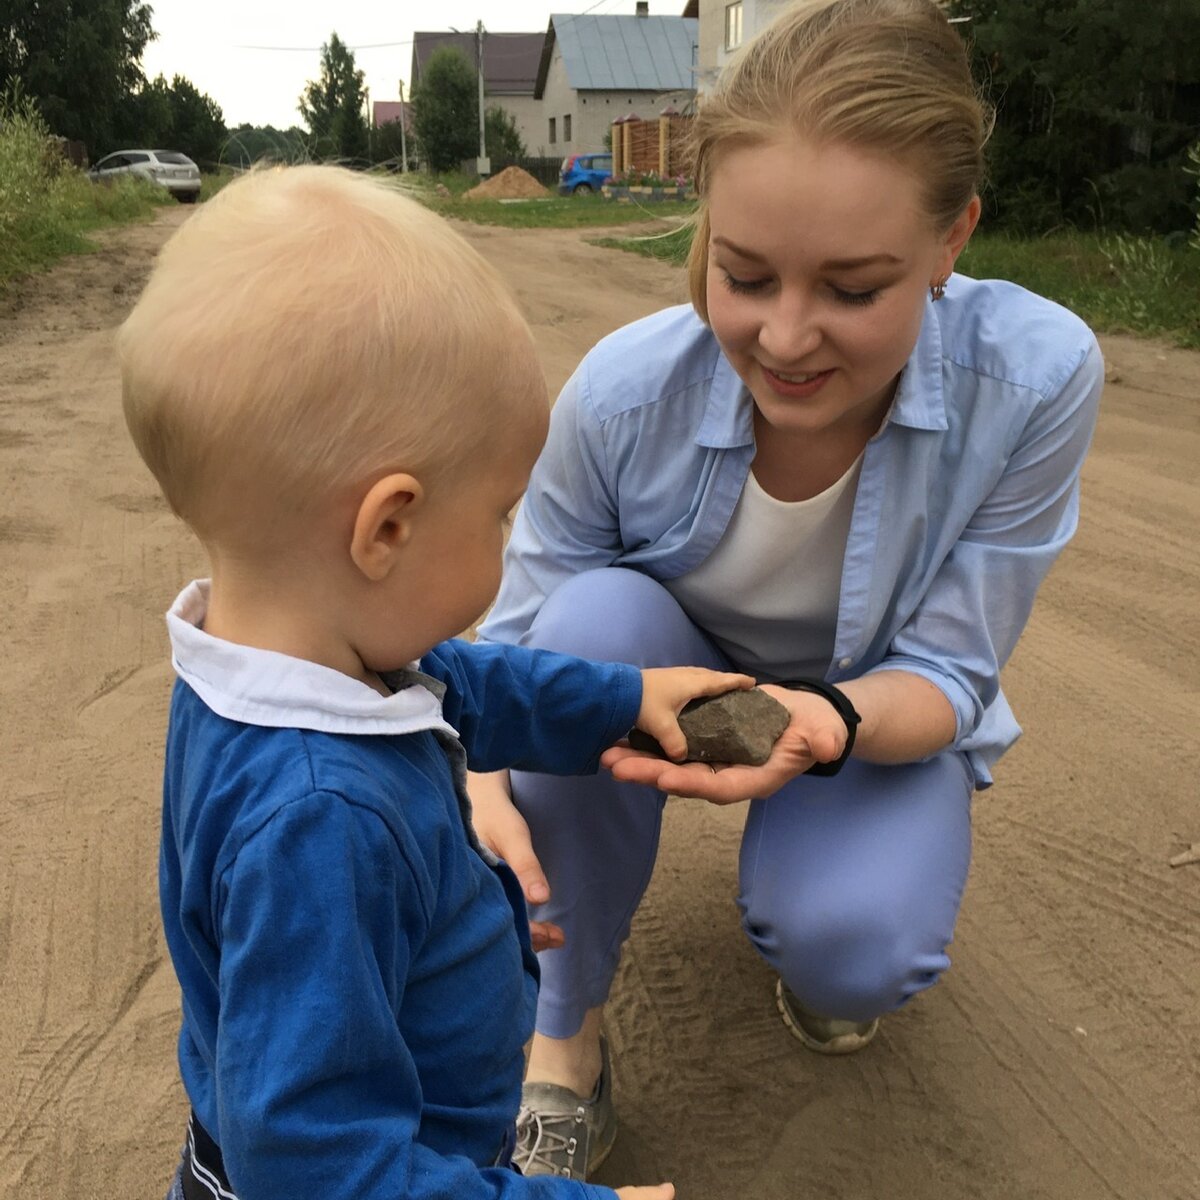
919 402
728 415
262 687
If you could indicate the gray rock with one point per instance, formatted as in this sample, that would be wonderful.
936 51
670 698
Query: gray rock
737 727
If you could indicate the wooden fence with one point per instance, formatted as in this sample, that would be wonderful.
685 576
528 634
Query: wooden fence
658 145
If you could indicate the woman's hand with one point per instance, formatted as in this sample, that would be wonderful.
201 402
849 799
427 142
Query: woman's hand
665 691
659 1191
815 734
502 829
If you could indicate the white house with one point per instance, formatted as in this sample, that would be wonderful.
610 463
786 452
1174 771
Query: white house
725 28
596 68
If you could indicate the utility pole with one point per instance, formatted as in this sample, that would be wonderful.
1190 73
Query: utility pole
482 165
403 143
370 122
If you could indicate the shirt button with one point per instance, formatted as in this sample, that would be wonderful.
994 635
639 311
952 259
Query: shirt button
843 663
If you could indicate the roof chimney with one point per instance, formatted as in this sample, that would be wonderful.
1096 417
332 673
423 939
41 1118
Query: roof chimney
643 8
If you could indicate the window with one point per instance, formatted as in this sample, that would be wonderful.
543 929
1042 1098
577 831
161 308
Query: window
567 128
553 131
733 25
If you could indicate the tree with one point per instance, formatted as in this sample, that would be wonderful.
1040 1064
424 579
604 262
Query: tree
332 107
387 144
445 107
501 136
174 116
197 123
80 62
248 144
1096 105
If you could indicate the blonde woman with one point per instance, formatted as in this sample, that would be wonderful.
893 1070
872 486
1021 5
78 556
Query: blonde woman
843 465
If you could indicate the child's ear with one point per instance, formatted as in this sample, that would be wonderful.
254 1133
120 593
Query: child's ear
384 524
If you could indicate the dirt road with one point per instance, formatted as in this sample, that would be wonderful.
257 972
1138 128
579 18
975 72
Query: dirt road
1059 1059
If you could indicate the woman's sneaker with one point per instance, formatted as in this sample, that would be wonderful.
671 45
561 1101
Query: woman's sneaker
825 1035
560 1133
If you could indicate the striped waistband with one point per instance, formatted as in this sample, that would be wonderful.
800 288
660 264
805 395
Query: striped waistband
203 1169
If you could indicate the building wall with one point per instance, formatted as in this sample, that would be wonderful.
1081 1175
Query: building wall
756 16
527 113
592 112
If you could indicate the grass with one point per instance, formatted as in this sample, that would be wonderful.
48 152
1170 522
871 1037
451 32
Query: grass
1118 283
47 206
552 212
212 182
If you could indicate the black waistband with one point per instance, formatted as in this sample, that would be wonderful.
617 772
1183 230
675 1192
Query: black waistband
204 1175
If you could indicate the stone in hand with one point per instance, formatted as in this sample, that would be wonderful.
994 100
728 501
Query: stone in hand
737 727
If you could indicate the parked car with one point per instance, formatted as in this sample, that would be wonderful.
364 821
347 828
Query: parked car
583 173
176 172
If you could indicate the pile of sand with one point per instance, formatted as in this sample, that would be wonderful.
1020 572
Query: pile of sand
511 184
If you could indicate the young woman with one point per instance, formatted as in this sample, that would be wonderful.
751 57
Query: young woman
843 465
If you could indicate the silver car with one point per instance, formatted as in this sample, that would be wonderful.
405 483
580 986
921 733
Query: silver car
176 172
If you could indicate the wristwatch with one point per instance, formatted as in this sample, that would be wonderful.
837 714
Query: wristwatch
845 710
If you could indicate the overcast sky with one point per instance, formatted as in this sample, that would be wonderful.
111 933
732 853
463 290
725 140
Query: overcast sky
210 42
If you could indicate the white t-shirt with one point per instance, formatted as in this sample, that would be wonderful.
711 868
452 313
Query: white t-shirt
768 594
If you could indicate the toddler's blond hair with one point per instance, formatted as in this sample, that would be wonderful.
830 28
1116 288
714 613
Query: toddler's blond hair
310 327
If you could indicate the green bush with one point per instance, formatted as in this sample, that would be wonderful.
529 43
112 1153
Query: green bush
47 205
1192 168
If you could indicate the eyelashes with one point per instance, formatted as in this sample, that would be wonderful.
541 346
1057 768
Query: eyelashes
754 287
856 299
744 287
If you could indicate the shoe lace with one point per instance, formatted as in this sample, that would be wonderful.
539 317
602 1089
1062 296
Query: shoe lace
545 1139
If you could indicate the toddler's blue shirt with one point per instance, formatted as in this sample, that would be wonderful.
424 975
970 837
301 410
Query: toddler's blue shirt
357 977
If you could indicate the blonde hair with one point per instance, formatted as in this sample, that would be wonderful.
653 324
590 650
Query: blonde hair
888 75
310 327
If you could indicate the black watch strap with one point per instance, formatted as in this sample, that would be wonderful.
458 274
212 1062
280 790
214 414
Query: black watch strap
845 710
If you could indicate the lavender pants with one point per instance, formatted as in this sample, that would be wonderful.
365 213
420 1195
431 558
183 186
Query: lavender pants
849 886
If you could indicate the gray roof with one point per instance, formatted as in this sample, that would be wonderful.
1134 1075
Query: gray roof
645 54
510 60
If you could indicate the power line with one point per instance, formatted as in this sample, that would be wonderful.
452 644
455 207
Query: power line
409 42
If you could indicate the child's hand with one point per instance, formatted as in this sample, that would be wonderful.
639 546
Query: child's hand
666 690
660 1191
815 734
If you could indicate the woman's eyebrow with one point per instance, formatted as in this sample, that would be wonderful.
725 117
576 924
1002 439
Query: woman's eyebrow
869 260
833 264
738 250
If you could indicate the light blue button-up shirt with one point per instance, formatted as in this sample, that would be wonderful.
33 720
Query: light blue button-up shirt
968 491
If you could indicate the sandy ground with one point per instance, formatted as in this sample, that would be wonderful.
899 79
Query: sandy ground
1057 1061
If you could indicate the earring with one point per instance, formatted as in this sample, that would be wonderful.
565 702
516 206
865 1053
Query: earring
937 290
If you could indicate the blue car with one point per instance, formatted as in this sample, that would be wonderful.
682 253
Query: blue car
583 173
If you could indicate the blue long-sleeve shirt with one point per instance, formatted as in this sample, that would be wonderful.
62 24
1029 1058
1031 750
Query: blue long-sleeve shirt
356 974
967 493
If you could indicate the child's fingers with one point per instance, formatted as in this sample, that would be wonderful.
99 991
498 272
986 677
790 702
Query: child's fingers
664 728
546 936
717 683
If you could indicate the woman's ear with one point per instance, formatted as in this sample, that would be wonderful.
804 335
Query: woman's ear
957 237
383 524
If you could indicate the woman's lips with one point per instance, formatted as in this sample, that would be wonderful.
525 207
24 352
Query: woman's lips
795 385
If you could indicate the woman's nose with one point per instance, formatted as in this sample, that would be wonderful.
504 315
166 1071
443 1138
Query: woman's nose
789 331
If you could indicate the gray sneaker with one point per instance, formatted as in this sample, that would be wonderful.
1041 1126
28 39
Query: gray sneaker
825 1035
560 1133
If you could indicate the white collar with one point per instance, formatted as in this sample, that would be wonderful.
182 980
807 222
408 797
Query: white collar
262 687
